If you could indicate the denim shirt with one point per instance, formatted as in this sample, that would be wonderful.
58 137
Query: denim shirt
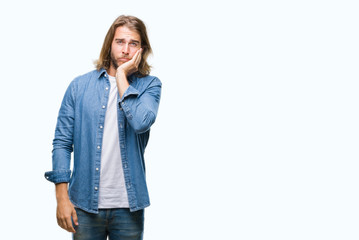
80 127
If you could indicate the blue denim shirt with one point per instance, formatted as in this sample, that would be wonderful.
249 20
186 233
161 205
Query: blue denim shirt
80 129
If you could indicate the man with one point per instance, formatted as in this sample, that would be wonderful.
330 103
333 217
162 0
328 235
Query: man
105 118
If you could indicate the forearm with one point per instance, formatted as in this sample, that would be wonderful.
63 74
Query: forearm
61 192
61 158
140 108
63 141
122 82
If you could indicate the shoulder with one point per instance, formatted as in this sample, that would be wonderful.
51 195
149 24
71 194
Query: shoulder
84 79
95 74
146 80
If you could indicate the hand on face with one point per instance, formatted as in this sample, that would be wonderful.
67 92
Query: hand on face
131 66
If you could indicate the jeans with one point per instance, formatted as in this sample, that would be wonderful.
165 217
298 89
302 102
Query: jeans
116 223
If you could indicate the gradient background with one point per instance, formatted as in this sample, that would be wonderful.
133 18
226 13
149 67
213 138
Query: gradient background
257 134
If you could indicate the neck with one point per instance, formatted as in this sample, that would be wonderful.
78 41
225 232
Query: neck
112 71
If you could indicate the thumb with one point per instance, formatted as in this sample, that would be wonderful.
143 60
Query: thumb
74 217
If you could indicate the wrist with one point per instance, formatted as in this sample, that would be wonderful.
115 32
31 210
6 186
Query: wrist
61 192
120 73
61 201
60 197
121 78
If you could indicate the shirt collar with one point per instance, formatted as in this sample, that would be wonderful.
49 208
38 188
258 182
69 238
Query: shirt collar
101 72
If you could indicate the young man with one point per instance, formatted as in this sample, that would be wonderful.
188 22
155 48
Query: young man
105 118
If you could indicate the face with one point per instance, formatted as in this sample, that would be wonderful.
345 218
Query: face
124 46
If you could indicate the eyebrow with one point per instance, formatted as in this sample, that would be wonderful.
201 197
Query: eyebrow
122 39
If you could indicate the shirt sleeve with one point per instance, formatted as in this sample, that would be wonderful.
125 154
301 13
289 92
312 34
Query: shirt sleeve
63 140
141 109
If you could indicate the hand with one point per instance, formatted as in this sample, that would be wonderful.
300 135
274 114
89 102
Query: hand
65 210
131 66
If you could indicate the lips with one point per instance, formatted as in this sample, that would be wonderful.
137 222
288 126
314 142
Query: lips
124 59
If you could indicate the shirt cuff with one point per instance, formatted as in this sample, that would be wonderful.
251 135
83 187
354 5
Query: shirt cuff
58 176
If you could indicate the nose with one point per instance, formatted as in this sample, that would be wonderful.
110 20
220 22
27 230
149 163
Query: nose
125 49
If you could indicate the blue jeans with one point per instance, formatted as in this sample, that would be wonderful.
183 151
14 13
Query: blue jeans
116 223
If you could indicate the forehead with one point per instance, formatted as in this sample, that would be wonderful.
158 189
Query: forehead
124 32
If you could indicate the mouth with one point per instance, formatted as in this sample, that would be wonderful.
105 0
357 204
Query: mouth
123 59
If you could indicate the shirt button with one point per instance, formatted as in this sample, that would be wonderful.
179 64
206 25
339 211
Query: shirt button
106 88
121 126
101 126
103 106
98 147
97 169
125 165
96 188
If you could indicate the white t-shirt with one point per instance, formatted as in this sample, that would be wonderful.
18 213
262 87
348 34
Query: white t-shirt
112 191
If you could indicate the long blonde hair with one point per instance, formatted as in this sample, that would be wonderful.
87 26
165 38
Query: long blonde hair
133 24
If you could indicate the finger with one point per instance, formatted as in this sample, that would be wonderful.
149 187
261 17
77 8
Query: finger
133 60
138 56
74 217
69 226
137 53
62 223
59 222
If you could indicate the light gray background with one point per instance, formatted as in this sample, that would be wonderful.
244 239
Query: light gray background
257 134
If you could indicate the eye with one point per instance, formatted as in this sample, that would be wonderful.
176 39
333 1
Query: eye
134 44
119 42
